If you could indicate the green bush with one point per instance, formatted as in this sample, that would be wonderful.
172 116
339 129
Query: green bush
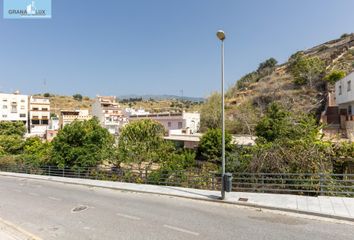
77 97
11 144
279 124
12 128
335 76
82 144
210 145
306 70
141 142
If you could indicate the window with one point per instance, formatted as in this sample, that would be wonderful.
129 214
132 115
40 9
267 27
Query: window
179 125
169 124
22 107
4 107
4 100
349 85
4 116
35 109
340 90
22 115
22 100
350 111
45 122
13 109
44 109
35 122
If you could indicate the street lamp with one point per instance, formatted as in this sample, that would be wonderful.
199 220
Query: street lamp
221 35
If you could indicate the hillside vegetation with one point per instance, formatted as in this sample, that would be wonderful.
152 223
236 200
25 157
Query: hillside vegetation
58 103
299 85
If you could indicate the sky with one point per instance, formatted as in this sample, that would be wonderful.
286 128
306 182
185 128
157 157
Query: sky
123 47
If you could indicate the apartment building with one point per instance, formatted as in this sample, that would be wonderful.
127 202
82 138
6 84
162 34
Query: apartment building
109 113
39 115
344 90
14 107
173 121
68 116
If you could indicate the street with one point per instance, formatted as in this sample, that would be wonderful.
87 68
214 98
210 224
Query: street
52 210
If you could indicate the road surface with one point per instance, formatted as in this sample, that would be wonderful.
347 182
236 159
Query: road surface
52 210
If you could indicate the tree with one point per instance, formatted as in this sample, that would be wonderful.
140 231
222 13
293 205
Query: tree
269 63
210 112
306 70
210 145
11 144
77 97
274 124
141 142
12 128
36 152
83 144
46 95
335 76
279 124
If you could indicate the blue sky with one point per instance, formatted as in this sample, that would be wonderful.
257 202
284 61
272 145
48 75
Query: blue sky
116 47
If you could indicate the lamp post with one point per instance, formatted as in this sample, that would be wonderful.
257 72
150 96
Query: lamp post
221 35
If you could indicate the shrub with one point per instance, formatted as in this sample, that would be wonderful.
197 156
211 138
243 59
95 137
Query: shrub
210 145
279 124
46 95
82 144
334 76
77 97
269 63
141 142
306 70
12 128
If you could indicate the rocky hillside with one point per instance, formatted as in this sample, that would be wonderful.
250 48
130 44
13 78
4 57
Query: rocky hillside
58 103
249 97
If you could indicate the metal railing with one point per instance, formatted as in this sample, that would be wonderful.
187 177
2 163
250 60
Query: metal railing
287 183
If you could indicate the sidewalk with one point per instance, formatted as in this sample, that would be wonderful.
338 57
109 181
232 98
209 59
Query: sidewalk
331 207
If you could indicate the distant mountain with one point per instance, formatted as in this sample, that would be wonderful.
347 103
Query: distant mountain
162 97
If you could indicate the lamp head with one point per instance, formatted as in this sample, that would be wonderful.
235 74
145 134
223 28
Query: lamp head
221 35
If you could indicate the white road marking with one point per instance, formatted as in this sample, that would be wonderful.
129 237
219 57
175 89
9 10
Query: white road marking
54 198
181 230
128 216
33 194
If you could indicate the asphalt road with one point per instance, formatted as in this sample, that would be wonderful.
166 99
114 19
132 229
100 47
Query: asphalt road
61 211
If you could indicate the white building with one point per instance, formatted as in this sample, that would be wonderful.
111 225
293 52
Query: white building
132 111
14 107
173 121
109 113
39 115
345 101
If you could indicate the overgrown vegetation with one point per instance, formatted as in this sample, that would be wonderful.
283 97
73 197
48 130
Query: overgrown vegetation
306 70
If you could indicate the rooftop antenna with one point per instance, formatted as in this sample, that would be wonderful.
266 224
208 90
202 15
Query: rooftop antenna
44 85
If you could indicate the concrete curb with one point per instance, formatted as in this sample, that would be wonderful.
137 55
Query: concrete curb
16 232
244 204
